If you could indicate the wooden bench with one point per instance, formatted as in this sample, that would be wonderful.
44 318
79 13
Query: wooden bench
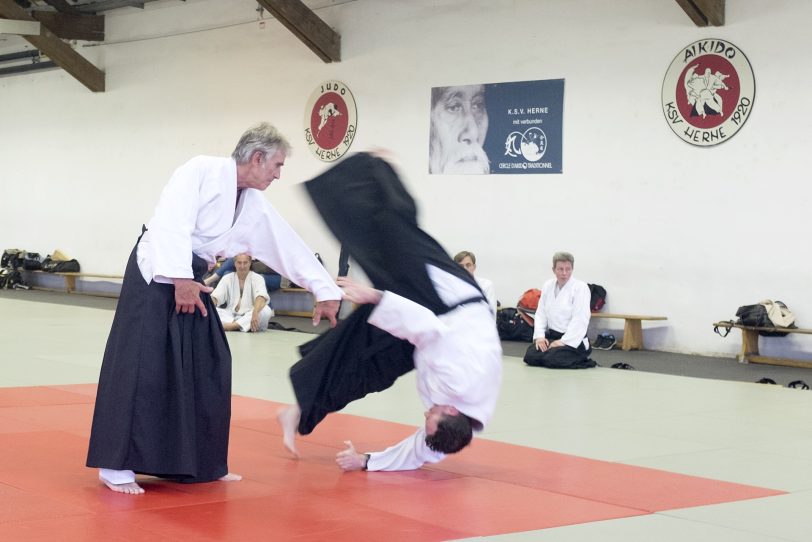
750 353
300 298
632 328
70 280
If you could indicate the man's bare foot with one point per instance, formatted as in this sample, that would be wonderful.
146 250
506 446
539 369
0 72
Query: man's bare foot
231 477
130 488
288 418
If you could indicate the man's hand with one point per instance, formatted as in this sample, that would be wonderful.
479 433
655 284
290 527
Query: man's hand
359 293
557 343
350 460
187 296
326 309
542 344
254 320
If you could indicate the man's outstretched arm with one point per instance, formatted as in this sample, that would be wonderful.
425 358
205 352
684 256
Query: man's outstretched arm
409 454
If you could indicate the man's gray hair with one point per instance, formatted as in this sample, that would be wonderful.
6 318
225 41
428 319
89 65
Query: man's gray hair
262 138
563 257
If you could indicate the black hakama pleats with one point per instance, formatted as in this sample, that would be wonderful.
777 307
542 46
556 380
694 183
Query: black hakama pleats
163 405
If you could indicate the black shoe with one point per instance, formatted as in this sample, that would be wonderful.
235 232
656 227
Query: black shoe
765 380
800 384
624 366
603 340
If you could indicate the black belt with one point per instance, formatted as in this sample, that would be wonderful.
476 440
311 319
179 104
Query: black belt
477 299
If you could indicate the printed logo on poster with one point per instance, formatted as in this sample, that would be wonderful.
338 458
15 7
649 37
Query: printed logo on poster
708 92
526 146
330 121
530 144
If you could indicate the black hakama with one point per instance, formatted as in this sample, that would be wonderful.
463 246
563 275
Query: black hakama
369 211
163 405
560 357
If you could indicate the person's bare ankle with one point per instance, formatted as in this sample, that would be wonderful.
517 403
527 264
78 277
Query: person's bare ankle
288 418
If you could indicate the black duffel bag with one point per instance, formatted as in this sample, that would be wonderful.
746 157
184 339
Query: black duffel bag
12 258
512 327
757 316
60 266
32 261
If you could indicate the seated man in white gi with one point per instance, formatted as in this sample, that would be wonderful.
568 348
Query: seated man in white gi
562 318
245 298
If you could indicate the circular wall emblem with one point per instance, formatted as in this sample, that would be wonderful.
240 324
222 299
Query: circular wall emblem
708 92
330 121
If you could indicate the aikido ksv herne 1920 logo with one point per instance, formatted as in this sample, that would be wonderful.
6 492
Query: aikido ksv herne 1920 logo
708 92
330 121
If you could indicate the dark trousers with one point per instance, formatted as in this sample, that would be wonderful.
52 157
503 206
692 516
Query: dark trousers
560 357
163 405
368 209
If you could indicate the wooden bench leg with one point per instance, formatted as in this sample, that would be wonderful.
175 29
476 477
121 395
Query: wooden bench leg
749 345
70 283
633 335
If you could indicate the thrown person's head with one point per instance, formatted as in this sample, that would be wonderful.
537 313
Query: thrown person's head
447 429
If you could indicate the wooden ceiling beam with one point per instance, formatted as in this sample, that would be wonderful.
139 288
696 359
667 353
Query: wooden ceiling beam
704 12
72 27
307 26
56 49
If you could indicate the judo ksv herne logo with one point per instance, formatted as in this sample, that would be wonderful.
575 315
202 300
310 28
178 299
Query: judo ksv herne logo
708 92
330 121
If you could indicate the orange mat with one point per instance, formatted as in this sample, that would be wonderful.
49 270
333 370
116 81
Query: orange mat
47 494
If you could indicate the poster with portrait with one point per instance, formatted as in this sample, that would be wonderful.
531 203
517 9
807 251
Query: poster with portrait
508 128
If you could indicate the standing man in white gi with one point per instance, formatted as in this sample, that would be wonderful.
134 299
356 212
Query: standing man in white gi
163 405
245 297
424 313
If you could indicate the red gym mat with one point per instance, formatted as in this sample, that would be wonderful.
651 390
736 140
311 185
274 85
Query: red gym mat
491 488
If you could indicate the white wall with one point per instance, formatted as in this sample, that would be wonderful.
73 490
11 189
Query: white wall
666 227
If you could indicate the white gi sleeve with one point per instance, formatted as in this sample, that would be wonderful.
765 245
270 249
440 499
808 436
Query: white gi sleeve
281 248
490 295
221 291
407 320
258 288
409 454
540 319
173 223
576 330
